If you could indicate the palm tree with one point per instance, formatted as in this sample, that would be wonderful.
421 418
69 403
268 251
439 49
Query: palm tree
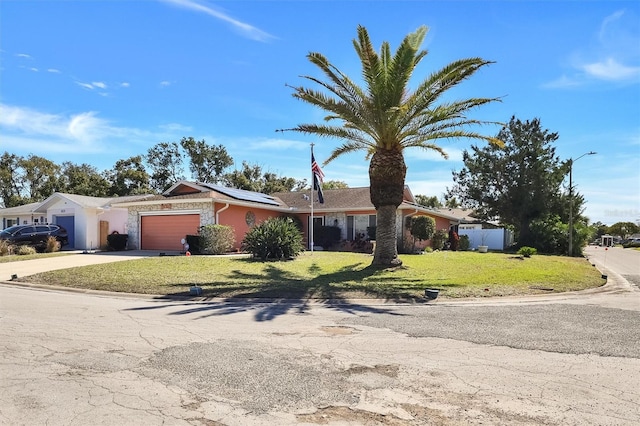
385 117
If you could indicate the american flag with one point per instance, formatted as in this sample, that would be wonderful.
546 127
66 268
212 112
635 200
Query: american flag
318 178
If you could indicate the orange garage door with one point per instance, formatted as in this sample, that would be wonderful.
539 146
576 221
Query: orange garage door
165 232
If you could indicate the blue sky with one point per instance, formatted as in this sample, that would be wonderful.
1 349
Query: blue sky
97 81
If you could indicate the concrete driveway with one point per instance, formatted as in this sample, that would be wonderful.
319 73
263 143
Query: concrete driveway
72 259
96 359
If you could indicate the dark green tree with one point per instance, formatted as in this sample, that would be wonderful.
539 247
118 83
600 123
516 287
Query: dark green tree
252 178
11 181
128 177
83 179
427 201
165 162
206 162
623 229
388 115
516 184
334 184
41 177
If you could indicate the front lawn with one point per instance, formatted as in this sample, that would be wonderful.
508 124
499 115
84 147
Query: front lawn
330 275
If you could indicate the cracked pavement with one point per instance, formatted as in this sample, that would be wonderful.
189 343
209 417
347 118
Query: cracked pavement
70 358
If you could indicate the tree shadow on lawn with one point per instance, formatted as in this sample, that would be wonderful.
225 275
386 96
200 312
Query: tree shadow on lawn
281 292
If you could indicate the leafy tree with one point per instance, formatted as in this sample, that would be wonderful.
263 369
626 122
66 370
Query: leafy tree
83 179
165 162
623 229
451 202
334 184
40 177
251 178
427 201
11 180
386 116
519 183
128 177
206 162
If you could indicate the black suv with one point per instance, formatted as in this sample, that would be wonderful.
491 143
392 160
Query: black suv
34 235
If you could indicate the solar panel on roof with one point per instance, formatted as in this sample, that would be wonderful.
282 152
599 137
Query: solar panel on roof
241 194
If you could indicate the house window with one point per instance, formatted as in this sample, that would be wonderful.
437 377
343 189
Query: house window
357 226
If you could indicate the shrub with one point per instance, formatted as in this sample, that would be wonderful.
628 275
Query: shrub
527 251
51 245
117 242
439 238
215 239
5 248
275 238
25 250
464 243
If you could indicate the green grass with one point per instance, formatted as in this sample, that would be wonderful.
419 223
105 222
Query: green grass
330 275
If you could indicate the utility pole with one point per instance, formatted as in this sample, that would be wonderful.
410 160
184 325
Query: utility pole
571 161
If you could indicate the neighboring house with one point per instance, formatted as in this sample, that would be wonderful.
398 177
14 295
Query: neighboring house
161 222
88 220
480 232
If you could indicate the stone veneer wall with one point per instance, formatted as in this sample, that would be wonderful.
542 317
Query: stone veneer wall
207 217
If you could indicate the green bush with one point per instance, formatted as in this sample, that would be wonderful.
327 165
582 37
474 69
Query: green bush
25 250
439 238
215 239
464 243
275 238
51 245
117 242
527 251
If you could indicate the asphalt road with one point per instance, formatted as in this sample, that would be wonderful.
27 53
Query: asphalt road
100 359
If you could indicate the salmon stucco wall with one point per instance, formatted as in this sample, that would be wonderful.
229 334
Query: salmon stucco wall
238 216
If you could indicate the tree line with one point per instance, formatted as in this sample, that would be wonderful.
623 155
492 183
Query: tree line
34 178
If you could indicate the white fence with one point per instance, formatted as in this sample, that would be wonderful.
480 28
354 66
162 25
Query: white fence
496 239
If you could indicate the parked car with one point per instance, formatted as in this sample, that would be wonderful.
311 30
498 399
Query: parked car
34 235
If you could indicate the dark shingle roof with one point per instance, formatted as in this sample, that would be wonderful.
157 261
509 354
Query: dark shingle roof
334 199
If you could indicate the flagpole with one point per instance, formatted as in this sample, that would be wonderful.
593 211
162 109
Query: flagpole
312 184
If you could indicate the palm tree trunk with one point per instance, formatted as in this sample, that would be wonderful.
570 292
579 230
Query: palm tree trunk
387 172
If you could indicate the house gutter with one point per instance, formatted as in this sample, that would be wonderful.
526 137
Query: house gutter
220 211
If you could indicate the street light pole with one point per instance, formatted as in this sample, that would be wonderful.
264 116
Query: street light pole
571 161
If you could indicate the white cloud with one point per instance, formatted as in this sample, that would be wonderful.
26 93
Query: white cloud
85 85
23 55
455 154
125 84
175 127
276 144
562 83
99 84
613 57
611 70
247 30
165 83
606 23
33 69
53 70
